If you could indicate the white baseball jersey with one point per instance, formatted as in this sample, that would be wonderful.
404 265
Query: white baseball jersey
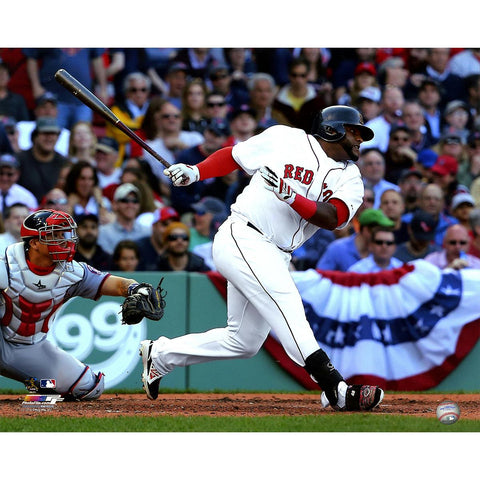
300 161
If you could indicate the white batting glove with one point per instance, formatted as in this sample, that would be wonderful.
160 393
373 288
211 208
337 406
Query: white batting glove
276 185
182 175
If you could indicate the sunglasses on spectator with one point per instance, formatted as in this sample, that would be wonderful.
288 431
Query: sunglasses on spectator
170 115
128 200
459 242
388 243
369 199
219 77
59 201
135 90
178 236
200 212
215 104
6 174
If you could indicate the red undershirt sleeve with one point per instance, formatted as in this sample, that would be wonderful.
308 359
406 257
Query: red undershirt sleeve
342 210
306 208
218 164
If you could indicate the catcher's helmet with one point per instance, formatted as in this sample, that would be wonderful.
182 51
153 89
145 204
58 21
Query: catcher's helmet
329 124
53 228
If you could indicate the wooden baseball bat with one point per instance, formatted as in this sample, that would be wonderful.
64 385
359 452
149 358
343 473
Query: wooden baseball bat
93 102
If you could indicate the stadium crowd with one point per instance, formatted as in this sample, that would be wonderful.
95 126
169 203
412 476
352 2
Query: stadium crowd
421 171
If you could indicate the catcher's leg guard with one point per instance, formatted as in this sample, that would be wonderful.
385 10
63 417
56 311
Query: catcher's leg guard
88 387
318 365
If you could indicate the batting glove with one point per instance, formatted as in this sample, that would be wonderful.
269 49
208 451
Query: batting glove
276 185
182 175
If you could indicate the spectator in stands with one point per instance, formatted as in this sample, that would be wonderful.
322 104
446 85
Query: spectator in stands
411 184
88 249
365 76
462 205
368 103
444 174
106 159
243 124
414 119
126 256
216 106
421 235
465 63
457 120
126 206
205 211
342 253
472 87
177 256
85 64
10 191
235 92
475 232
310 252
152 247
298 101
56 199
40 165
82 143
391 104
45 106
194 98
163 130
241 64
430 97
136 90
176 81
13 217
392 71
432 201
84 194
372 167
198 60
400 155
262 88
393 206
453 254
469 168
381 257
9 126
12 104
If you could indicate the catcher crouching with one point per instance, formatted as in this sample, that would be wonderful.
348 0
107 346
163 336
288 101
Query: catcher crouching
38 275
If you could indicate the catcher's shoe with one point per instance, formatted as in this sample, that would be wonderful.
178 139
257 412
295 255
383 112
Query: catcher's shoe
150 376
355 397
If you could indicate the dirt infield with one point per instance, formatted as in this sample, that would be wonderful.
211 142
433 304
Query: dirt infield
243 405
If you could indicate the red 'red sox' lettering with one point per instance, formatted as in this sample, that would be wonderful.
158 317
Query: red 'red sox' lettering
298 173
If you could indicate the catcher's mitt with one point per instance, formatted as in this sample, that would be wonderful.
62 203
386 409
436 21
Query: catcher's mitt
143 301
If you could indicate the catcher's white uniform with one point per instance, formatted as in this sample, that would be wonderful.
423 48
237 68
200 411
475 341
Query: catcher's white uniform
252 251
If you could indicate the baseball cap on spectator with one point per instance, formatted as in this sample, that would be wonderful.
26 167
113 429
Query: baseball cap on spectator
423 225
125 189
174 226
445 165
165 213
177 67
242 109
427 157
455 105
430 81
371 93
219 127
451 138
365 67
8 160
79 219
209 205
47 125
107 145
397 128
372 216
215 69
461 198
46 97
412 172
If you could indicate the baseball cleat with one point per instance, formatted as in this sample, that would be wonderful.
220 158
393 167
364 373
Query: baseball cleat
150 376
356 398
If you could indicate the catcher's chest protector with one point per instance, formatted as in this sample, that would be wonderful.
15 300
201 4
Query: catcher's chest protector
31 300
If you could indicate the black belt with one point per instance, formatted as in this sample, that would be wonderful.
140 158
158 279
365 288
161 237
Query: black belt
251 225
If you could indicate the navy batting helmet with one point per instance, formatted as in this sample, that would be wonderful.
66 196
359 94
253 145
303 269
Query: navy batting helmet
330 123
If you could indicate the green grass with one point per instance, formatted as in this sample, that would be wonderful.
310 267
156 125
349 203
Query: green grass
322 423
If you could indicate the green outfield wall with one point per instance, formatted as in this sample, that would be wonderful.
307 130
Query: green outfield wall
92 332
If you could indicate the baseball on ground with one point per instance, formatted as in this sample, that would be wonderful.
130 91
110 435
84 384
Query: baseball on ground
448 412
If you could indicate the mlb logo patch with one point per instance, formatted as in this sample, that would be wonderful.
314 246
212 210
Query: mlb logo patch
48 383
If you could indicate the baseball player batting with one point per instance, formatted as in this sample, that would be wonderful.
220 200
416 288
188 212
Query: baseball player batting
37 275
299 183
